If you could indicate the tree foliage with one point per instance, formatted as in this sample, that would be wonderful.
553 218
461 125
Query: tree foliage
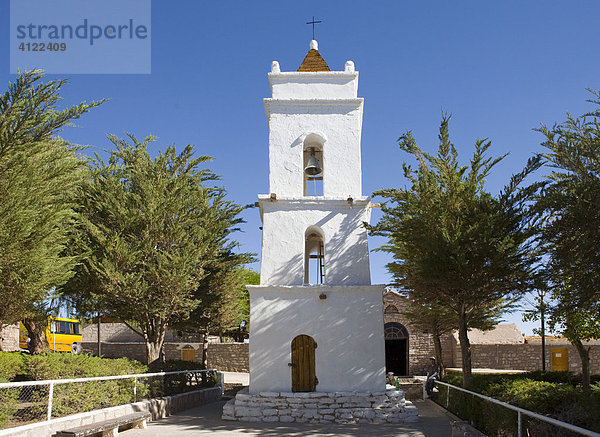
156 238
454 244
570 205
39 173
433 319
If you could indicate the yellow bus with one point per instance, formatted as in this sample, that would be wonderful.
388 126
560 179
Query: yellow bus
63 335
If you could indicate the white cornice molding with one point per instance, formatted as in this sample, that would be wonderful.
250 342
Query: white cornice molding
275 104
287 290
315 200
316 75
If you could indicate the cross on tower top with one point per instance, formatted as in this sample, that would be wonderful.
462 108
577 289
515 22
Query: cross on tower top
313 22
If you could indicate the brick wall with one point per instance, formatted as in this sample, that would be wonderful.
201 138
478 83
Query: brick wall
228 357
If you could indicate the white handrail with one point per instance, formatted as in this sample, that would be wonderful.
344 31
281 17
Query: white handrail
526 412
97 378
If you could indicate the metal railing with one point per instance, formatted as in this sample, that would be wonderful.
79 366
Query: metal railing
32 401
521 412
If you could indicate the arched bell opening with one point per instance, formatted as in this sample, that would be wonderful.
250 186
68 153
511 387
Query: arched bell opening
313 164
314 256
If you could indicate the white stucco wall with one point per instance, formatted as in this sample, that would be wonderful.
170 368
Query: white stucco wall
347 326
285 222
306 109
314 85
337 120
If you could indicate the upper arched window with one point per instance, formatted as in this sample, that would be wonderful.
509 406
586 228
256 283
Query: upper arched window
395 331
391 309
312 157
314 256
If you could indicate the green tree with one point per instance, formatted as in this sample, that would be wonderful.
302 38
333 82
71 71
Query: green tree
539 309
224 300
39 173
570 231
156 236
578 325
454 244
433 319
251 277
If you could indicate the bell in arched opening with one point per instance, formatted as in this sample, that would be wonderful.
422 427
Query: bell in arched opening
313 167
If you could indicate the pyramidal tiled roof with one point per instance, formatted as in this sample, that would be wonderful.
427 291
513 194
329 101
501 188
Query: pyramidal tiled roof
313 61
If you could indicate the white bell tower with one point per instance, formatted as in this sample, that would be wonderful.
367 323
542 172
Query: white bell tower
316 322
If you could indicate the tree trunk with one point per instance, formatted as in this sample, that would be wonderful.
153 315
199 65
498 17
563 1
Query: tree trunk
36 329
543 341
204 350
154 334
152 351
465 348
437 344
584 355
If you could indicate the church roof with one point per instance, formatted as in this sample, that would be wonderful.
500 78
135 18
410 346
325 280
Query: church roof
313 61
504 333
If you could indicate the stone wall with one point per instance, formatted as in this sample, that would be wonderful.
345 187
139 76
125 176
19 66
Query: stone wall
318 407
137 351
10 338
121 333
228 357
525 357
420 343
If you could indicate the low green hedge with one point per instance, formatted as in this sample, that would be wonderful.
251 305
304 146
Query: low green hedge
30 403
22 366
176 365
62 366
11 365
555 394
24 404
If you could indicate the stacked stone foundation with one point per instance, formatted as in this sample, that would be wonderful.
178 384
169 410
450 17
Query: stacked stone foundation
315 407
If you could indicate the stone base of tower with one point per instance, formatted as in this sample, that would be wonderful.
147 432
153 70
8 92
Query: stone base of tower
336 407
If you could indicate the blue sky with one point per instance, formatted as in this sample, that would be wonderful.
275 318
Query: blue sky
501 69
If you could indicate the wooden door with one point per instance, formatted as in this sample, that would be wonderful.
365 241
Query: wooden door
303 364
560 360
188 354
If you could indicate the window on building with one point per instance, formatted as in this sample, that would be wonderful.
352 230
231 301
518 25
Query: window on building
391 309
314 262
395 331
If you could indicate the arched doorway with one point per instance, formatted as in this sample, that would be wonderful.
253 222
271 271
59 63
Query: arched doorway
303 364
396 349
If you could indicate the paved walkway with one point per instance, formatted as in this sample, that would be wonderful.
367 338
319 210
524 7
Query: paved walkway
206 420
237 378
